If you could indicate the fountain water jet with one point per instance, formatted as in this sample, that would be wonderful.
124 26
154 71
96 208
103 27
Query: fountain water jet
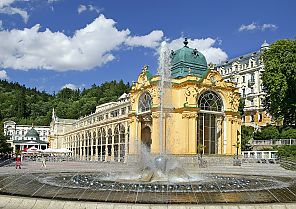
165 94
163 167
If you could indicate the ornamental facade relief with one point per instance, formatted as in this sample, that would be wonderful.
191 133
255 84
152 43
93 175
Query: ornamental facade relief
191 95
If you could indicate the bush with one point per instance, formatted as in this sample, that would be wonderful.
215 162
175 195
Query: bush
287 151
266 133
247 135
288 133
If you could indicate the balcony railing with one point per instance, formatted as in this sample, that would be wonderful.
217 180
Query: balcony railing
259 154
252 94
272 142
251 82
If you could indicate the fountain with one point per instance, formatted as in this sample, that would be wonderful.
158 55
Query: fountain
121 183
165 94
160 179
163 167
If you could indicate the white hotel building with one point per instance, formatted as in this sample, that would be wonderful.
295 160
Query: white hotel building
26 136
246 72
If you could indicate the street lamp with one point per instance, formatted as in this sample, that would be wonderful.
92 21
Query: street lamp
237 145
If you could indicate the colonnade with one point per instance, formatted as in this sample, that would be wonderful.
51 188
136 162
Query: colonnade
107 142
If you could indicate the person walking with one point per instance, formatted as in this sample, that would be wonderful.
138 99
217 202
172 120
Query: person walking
43 162
18 161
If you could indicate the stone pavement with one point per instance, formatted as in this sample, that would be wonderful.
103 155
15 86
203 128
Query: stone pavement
11 202
14 202
83 166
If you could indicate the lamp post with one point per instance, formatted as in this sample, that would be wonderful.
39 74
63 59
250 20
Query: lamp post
237 145
236 161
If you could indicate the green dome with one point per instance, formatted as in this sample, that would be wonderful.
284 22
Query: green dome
32 133
188 61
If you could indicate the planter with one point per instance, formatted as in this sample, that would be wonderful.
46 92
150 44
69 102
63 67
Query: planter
202 163
237 162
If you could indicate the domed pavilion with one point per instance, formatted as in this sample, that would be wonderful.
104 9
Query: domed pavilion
203 114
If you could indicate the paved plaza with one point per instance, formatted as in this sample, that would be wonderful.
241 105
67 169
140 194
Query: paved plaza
13 201
83 166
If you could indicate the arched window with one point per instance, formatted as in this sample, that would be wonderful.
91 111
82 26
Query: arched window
103 136
116 134
99 137
109 136
210 101
122 133
94 138
145 103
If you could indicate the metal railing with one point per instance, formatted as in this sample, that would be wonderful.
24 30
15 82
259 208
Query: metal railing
274 142
260 156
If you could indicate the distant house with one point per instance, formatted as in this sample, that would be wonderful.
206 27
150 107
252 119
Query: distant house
26 136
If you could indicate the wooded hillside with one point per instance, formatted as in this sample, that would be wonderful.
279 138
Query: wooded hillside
26 106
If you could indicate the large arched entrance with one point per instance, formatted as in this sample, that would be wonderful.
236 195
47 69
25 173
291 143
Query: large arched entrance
209 122
144 116
146 137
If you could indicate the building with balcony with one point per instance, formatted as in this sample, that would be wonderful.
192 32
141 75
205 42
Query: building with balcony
26 136
246 71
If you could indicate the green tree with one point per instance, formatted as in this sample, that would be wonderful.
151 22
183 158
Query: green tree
287 151
266 133
21 110
279 80
241 106
288 133
4 146
26 106
246 136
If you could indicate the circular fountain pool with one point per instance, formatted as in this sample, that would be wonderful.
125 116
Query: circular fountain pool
100 186
210 183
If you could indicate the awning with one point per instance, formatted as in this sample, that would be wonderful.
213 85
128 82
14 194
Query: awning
52 150
32 150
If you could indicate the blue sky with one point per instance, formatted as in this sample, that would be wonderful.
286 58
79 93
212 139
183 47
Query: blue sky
48 44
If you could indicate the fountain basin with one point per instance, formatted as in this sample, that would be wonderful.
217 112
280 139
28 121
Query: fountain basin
94 186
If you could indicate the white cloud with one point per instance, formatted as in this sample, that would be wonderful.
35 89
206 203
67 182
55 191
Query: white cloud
254 26
6 8
251 26
51 1
81 8
151 40
89 47
70 86
3 74
13 10
6 2
205 46
93 8
268 26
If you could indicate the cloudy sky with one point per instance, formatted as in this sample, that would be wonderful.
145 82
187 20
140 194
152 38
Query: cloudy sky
51 44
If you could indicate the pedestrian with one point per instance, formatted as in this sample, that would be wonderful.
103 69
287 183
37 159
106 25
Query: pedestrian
18 162
43 162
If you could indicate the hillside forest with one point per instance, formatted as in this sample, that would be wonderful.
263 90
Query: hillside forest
30 106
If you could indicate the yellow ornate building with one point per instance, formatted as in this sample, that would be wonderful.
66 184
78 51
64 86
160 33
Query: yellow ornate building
200 114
